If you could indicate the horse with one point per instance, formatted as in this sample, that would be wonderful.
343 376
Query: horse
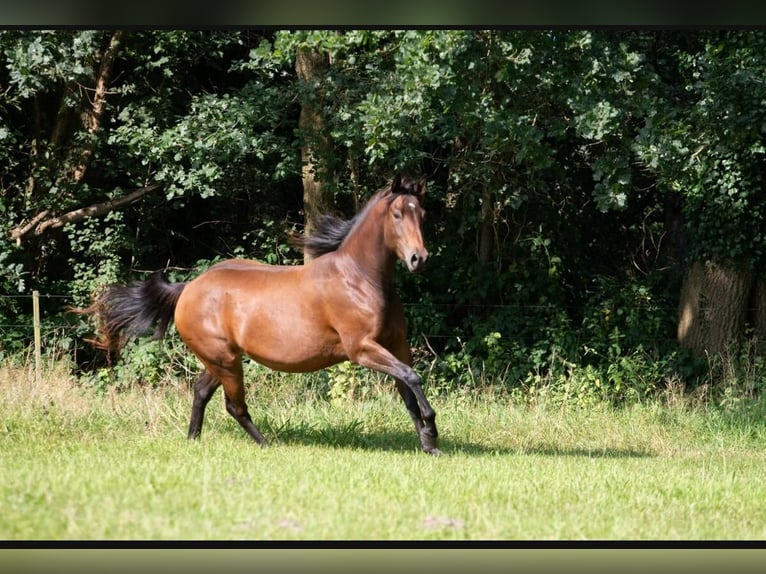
340 305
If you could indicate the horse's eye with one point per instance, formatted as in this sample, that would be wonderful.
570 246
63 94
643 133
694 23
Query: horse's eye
397 214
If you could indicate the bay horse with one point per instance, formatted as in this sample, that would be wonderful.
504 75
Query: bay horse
339 306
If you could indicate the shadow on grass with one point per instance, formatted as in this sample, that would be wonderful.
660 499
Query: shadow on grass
353 436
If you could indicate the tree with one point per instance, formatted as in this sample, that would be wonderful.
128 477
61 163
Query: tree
67 150
706 144
310 65
95 122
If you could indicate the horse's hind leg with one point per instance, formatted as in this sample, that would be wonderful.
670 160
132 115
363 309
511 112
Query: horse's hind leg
204 388
234 390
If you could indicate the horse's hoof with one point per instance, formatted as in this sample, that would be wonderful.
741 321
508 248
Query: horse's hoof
434 451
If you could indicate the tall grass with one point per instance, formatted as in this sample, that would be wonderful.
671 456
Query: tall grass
77 464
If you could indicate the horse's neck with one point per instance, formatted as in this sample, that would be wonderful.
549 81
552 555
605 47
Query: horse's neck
366 247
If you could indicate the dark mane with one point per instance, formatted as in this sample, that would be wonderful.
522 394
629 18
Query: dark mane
330 230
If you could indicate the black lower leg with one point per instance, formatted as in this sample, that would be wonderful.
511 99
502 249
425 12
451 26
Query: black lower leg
424 426
203 391
240 414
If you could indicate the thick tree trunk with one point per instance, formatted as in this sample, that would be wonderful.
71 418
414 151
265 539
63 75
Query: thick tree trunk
310 65
713 308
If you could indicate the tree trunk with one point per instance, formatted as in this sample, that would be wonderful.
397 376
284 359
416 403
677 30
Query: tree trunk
713 307
92 118
310 65
487 241
758 313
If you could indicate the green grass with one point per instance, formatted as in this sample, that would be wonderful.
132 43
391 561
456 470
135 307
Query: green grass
76 465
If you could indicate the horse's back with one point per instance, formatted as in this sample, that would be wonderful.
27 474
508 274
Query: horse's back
242 265
236 282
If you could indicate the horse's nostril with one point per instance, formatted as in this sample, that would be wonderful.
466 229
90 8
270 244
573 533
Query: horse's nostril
417 260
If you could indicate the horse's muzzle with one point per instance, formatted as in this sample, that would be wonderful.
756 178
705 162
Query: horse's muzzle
416 260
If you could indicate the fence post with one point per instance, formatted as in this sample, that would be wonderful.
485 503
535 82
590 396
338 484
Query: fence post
38 344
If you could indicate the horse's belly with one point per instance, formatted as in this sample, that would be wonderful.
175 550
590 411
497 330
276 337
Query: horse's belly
291 344
307 365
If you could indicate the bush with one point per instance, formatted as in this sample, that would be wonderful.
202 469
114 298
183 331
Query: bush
146 362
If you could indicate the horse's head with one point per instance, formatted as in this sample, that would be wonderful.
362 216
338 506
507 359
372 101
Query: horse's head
404 221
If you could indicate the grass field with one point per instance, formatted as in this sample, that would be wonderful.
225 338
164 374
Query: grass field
79 466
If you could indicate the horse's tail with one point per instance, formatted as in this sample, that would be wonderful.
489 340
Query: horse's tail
125 311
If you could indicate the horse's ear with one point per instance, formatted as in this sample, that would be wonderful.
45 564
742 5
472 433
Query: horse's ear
396 184
409 186
420 187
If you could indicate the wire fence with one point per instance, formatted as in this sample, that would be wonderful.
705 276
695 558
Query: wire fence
50 321
36 295
50 332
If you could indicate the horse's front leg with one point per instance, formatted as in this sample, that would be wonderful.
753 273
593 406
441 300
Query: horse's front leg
374 356
426 430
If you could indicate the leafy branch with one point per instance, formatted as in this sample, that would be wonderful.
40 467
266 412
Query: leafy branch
44 220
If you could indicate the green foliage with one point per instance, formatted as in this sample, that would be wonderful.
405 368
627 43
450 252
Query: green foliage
218 133
347 382
706 143
145 363
37 59
98 247
555 159
740 374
